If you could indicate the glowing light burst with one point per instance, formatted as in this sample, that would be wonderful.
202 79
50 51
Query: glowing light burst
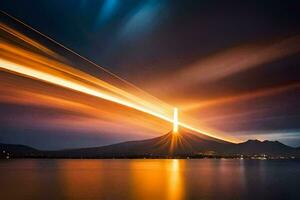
44 68
175 121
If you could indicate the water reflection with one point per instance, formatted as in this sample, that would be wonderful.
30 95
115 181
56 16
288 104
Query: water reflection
80 178
137 179
148 179
175 187
153 179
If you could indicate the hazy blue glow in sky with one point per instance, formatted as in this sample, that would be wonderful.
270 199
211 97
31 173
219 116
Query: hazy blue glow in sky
107 10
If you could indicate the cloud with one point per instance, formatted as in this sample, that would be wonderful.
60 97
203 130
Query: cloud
224 64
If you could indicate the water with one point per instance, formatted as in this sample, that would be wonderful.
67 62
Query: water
149 179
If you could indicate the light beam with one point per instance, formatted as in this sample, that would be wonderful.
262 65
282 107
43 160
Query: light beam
48 69
175 121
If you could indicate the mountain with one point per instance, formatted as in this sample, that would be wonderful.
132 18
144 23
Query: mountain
169 144
186 144
183 144
270 148
15 150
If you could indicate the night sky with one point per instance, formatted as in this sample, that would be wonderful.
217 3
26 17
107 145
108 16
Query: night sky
232 66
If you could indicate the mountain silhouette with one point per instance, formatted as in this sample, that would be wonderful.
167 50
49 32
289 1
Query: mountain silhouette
169 144
274 148
183 144
16 150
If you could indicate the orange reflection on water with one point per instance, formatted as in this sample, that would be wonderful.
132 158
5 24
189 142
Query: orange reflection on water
175 189
157 179
119 179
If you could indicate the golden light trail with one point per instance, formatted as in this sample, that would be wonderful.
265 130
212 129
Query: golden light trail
50 70
175 121
55 67
44 76
46 50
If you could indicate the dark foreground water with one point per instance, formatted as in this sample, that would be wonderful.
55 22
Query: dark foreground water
149 179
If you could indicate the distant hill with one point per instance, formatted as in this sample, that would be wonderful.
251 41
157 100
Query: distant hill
256 147
15 150
184 144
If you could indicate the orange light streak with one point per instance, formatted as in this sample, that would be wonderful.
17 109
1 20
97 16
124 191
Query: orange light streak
243 97
29 64
44 76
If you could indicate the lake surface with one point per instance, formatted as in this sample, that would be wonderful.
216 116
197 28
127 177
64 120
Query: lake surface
149 179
